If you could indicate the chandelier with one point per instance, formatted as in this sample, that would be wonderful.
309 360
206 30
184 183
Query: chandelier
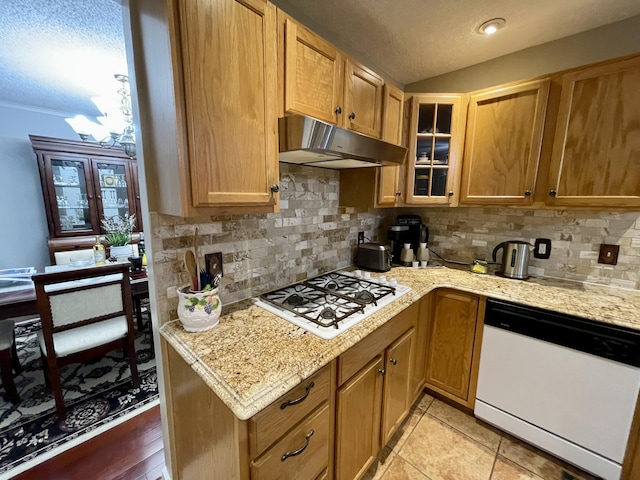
116 123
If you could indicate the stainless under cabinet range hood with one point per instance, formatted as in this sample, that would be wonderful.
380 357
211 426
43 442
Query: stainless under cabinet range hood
307 141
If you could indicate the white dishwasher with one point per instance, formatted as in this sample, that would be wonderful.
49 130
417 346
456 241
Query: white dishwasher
565 384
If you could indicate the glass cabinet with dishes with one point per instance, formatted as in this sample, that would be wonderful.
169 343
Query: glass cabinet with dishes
435 147
82 183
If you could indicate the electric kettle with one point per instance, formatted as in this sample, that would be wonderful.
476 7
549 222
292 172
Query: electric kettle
515 259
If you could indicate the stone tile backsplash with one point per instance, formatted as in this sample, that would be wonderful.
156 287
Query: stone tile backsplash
465 233
311 235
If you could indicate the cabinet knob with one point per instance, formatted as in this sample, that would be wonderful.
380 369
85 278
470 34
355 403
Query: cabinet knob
352 116
98 197
382 371
394 361
398 194
338 110
451 193
300 450
275 188
90 197
553 193
527 193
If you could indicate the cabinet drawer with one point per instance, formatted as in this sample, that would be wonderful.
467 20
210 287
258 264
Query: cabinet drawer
310 439
272 422
354 359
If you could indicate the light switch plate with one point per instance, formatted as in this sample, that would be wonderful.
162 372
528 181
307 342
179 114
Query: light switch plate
608 254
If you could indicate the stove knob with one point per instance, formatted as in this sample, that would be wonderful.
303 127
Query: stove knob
393 282
358 273
367 275
382 280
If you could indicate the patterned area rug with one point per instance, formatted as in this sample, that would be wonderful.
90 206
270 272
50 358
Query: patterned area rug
95 393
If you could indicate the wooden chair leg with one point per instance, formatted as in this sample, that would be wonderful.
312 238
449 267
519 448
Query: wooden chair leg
130 352
53 372
45 370
7 376
14 357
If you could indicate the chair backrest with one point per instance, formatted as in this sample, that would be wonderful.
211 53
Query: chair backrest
79 297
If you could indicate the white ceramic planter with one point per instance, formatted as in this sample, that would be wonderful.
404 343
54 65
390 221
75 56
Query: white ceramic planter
198 311
121 254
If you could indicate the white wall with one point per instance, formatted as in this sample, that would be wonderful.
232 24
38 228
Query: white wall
23 222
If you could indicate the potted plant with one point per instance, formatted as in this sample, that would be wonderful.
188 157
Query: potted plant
118 234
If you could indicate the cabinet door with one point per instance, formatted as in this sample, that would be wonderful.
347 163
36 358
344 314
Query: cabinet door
451 342
502 150
388 178
596 147
312 77
435 147
69 195
359 402
362 99
229 64
416 382
114 183
396 383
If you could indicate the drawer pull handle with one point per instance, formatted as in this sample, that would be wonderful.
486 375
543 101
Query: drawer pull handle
298 400
300 450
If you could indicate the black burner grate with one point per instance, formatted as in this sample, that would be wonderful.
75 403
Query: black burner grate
329 298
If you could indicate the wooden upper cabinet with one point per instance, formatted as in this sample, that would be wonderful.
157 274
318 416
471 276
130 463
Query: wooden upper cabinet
503 144
362 99
229 63
388 178
596 147
312 73
436 133
319 80
206 85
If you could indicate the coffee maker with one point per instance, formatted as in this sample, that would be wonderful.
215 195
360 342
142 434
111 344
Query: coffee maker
407 229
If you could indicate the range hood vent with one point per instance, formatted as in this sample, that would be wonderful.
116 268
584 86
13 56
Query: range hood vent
307 141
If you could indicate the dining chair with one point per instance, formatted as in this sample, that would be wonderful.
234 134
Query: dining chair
85 313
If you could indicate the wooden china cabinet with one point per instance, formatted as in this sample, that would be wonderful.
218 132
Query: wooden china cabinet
82 183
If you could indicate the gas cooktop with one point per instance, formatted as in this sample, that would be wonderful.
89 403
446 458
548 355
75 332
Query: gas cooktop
330 304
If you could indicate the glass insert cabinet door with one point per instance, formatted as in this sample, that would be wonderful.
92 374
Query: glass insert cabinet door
434 148
115 189
72 205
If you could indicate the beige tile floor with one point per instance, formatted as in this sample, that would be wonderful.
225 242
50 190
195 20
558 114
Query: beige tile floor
439 442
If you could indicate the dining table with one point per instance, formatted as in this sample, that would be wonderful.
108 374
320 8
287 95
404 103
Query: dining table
19 302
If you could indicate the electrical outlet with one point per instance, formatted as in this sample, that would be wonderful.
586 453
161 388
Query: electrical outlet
213 263
360 237
608 254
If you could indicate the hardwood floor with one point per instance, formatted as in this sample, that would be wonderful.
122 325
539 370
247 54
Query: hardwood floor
130 451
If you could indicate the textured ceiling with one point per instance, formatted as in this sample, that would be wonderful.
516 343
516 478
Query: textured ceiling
56 54
412 40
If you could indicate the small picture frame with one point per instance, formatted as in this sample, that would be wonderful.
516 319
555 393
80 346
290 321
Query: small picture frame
109 180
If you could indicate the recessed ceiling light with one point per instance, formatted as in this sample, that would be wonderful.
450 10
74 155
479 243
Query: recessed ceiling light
491 26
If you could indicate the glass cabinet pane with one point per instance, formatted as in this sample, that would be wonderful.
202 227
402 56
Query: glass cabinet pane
114 190
439 182
433 145
71 196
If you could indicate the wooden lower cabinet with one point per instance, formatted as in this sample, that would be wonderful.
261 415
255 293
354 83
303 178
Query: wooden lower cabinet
453 350
397 384
358 409
375 392
302 453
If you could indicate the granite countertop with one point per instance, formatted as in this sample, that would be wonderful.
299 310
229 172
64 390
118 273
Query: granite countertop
253 357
